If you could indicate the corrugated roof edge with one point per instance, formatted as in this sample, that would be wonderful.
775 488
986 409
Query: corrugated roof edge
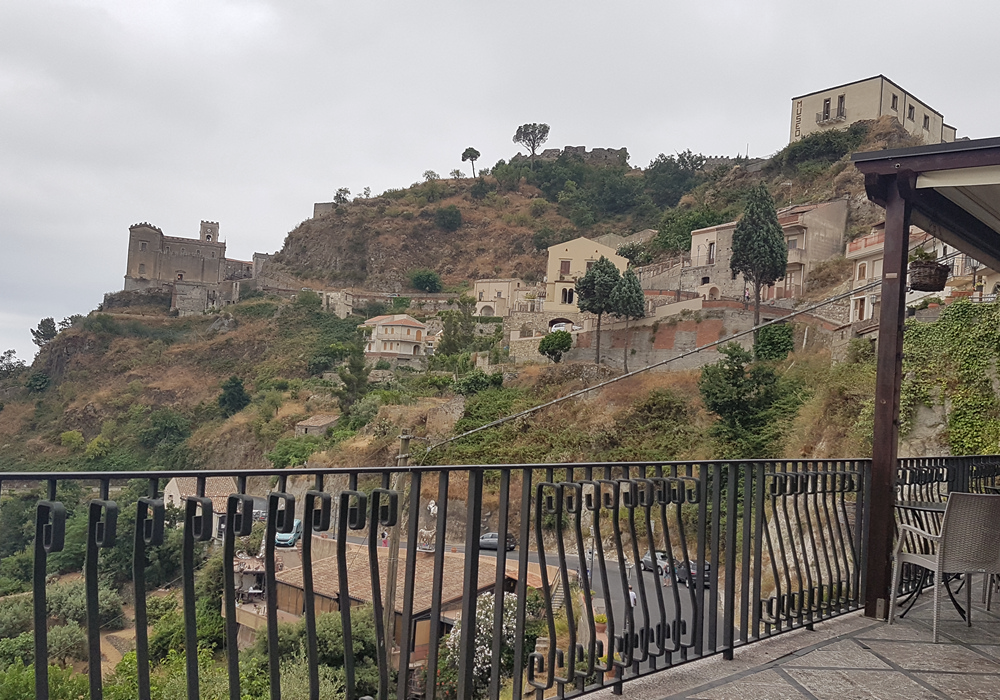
953 147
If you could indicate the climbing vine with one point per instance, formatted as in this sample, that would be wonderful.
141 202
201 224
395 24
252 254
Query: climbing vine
953 362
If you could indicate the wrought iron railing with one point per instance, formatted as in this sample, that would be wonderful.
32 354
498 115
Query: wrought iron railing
735 552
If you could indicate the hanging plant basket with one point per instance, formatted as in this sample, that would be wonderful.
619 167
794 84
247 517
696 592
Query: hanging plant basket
928 276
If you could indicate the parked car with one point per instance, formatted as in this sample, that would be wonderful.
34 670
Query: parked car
686 574
558 327
289 539
491 540
661 562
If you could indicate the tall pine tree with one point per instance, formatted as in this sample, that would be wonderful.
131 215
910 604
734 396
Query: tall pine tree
593 294
628 302
760 253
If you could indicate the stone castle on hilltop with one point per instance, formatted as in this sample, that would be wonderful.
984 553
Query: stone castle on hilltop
196 271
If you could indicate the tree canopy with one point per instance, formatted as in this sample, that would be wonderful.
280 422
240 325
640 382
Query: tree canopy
45 331
593 294
427 280
628 301
472 155
555 344
234 397
531 136
760 253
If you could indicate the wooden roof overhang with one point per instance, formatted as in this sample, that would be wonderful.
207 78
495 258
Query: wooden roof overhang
953 190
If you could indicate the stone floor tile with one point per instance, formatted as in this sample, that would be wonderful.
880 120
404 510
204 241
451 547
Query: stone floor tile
899 630
915 656
989 649
843 654
963 686
765 685
860 685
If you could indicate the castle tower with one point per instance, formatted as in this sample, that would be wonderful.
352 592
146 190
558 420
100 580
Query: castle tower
210 231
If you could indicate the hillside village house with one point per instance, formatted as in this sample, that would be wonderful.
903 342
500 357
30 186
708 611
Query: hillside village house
501 297
568 262
813 233
866 254
839 107
398 336
217 489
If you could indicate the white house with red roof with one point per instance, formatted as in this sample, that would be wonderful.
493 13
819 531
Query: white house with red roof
396 336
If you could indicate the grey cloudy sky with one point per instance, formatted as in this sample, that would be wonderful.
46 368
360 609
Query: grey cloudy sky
114 112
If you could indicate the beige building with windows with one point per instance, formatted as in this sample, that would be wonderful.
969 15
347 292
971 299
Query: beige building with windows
866 253
501 297
569 261
839 107
813 233
399 336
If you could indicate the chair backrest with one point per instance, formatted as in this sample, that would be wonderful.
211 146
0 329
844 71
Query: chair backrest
970 534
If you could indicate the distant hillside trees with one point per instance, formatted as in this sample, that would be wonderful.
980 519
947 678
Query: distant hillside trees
760 253
472 155
234 397
426 280
10 366
342 196
448 218
44 332
676 226
635 253
593 294
668 178
532 136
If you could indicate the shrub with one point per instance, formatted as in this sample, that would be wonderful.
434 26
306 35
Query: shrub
480 189
774 342
538 207
98 448
426 280
293 451
477 380
555 344
37 382
448 218
234 397
73 439
383 364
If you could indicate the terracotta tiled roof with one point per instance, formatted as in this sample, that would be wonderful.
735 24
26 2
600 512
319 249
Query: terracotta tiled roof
217 488
394 320
325 580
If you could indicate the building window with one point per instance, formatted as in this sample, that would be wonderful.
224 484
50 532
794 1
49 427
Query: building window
407 331
711 253
927 122
911 112
208 237
826 109
197 251
862 271
499 294
895 102
793 243
841 107
564 267
859 309
180 276
481 295
213 253
567 295
142 245
704 280
142 269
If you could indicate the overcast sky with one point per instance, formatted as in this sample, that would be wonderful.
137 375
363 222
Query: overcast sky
114 112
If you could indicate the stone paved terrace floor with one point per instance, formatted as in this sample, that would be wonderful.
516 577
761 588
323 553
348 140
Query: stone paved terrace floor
850 658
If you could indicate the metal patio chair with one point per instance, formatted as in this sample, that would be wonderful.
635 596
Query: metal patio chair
967 544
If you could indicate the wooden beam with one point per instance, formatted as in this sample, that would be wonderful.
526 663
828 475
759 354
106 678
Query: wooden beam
925 163
882 493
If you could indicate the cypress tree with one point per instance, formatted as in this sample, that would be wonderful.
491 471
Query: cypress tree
593 294
760 253
628 301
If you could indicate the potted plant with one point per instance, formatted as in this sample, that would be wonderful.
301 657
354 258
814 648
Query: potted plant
600 623
926 274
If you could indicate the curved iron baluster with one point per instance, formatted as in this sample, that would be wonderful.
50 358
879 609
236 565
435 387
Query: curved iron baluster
149 526
317 520
351 513
283 521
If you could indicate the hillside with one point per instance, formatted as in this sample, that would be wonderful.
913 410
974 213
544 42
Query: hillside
509 216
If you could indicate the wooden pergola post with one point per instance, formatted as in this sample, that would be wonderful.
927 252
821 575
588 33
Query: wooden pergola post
885 445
